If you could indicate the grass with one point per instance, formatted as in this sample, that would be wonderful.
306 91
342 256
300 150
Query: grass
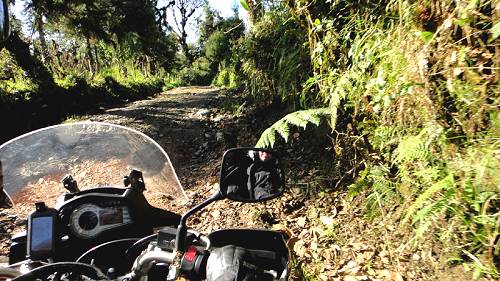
76 118
73 95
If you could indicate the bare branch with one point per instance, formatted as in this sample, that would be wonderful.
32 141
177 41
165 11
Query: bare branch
184 9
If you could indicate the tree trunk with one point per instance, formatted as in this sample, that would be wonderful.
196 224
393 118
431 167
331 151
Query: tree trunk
97 63
91 58
41 34
185 51
184 45
148 66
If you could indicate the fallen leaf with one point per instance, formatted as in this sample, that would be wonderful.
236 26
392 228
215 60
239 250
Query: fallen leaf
355 270
351 264
291 242
300 249
216 214
282 228
301 221
383 253
326 220
395 276
383 274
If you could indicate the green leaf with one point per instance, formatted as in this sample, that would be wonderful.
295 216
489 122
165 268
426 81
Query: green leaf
463 21
495 32
267 138
245 6
283 130
317 22
310 81
426 36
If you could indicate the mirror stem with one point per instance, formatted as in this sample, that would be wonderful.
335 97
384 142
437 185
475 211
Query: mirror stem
180 238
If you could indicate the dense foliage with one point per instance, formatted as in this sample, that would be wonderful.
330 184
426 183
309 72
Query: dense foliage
416 86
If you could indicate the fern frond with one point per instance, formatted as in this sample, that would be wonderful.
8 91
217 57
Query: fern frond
283 129
267 138
426 216
296 120
418 147
432 210
412 148
422 228
299 119
383 191
446 183
383 136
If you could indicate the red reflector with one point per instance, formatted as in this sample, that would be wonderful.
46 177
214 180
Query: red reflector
190 254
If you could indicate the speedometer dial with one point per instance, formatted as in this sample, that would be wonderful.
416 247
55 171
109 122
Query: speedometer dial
84 221
88 220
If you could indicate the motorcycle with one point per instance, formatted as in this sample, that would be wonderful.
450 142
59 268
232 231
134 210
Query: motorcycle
87 229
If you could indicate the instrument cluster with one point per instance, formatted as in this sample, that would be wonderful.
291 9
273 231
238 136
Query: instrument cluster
89 220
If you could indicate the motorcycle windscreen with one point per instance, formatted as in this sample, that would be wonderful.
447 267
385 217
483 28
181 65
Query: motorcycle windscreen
95 154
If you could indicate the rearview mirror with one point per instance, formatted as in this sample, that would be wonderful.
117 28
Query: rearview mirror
251 175
4 21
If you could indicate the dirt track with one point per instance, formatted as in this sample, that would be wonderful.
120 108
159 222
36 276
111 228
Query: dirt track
179 120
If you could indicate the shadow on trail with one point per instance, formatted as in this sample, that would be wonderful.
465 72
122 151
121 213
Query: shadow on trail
22 112
180 123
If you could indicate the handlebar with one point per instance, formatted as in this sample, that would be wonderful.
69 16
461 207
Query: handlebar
189 262
147 260
192 264
202 238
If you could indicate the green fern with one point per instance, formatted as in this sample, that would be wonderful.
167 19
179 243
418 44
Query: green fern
383 191
411 149
382 135
427 214
423 227
429 175
417 148
282 127
445 184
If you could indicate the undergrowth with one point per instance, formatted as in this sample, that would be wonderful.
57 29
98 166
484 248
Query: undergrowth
32 107
418 84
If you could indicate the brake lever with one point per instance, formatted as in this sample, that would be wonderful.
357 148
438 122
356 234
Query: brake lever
202 238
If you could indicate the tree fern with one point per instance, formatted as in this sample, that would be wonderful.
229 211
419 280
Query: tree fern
282 127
